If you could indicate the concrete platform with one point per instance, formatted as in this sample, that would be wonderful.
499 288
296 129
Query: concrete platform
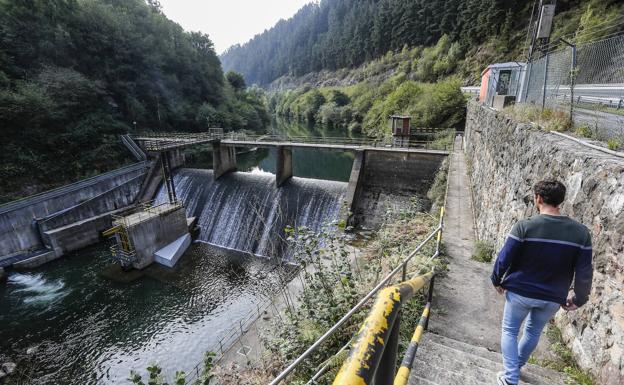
170 254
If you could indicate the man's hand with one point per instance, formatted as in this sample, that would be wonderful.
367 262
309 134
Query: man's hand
500 290
570 306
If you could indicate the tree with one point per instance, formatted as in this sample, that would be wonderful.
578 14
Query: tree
236 80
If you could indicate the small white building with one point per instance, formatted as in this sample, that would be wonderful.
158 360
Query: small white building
501 84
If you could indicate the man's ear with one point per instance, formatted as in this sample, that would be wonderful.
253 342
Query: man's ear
538 199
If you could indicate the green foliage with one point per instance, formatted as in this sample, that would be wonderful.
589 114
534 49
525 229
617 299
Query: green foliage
547 118
585 131
437 191
156 377
236 80
77 74
483 252
564 361
334 281
336 34
613 144
367 105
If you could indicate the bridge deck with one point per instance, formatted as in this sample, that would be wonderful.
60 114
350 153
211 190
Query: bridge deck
165 143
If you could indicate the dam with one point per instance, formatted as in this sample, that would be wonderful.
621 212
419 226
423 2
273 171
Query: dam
104 326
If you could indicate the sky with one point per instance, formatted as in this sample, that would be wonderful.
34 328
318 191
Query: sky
229 22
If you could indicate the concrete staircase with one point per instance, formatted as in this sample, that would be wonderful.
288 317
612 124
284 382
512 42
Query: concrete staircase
446 361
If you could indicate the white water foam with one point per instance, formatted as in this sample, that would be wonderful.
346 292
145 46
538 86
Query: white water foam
36 290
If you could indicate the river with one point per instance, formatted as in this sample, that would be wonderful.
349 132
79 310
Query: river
73 321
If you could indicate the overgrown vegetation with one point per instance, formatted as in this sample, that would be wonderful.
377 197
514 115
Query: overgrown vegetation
76 74
156 376
547 118
565 361
437 192
366 106
483 251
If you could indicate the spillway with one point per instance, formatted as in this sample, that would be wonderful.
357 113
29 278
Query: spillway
246 212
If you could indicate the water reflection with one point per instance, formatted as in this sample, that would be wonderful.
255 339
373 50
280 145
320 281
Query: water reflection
307 163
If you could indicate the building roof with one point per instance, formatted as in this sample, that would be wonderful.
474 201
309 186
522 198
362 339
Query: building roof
510 64
400 117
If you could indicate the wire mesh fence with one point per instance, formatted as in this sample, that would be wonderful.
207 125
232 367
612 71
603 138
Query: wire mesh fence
587 81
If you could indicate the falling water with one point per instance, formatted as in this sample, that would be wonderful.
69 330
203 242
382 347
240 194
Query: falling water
248 213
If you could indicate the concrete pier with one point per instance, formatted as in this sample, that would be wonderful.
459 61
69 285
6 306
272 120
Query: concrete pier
284 166
353 187
223 159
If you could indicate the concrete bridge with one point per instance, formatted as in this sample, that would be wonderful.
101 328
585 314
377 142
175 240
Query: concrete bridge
403 166
224 145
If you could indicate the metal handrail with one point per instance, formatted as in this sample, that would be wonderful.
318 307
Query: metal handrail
377 341
405 369
164 141
401 267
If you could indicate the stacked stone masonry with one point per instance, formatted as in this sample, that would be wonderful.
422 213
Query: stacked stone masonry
505 159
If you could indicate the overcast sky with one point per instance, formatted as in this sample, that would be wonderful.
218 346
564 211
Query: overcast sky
229 21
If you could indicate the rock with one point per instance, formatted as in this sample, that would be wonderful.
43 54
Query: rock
506 159
32 350
8 367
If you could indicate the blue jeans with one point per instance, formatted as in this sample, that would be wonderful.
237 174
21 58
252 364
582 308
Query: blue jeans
537 313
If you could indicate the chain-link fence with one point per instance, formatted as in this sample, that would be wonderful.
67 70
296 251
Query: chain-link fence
586 80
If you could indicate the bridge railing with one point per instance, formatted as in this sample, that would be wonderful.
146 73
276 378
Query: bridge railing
166 141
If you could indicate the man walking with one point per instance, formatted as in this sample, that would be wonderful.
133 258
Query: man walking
534 271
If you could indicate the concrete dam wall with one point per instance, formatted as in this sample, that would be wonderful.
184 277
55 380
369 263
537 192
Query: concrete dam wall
247 212
506 159
390 180
26 224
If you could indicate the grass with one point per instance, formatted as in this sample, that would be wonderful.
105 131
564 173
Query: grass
547 118
484 252
564 361
613 144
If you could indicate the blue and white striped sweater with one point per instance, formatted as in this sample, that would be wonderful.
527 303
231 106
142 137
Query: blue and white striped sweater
542 256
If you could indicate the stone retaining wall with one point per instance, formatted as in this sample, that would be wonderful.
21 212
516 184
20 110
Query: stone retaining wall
506 158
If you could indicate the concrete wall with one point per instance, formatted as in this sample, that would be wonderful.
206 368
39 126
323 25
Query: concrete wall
284 166
223 159
391 179
18 230
506 159
153 234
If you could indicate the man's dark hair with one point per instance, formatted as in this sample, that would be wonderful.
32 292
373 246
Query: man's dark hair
552 191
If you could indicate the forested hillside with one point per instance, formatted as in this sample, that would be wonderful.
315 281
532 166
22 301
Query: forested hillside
74 74
346 33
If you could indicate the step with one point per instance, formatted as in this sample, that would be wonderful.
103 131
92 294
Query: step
481 369
491 356
438 363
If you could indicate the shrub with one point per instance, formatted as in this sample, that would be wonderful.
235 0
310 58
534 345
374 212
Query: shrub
584 131
613 144
484 252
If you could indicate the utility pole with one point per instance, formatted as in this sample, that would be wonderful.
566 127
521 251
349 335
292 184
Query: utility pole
572 75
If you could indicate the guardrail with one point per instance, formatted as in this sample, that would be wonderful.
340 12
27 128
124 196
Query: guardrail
470 90
611 102
167 141
373 356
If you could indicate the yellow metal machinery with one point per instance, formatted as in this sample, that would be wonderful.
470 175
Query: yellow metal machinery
122 250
